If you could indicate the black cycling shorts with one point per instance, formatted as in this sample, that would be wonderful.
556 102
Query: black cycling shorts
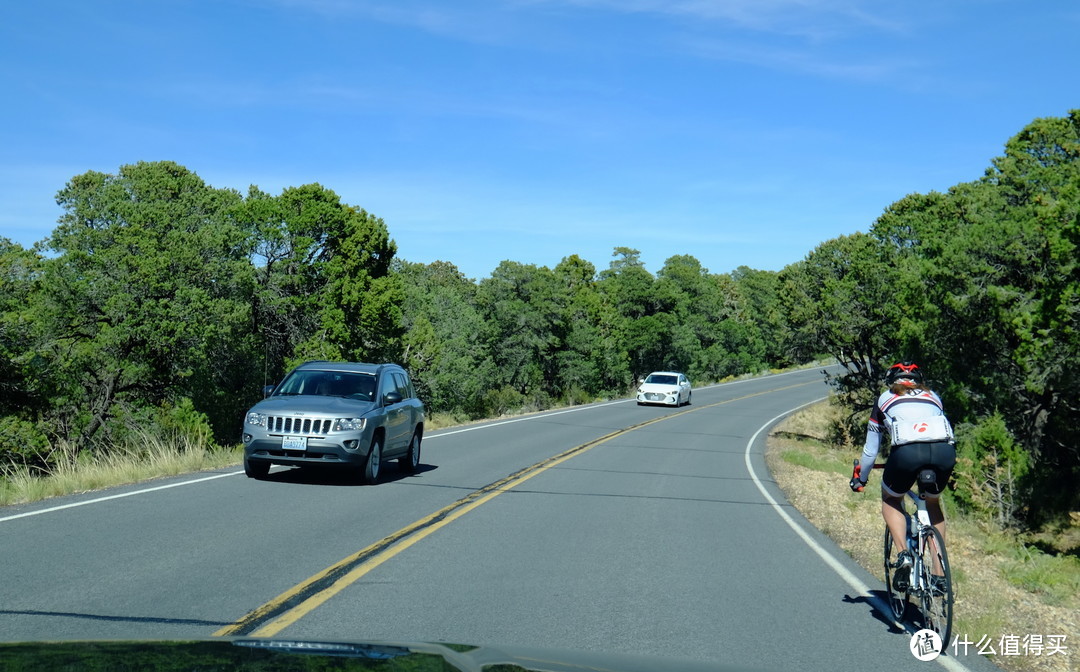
906 461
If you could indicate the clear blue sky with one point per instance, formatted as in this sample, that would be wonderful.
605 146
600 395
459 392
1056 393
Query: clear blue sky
742 132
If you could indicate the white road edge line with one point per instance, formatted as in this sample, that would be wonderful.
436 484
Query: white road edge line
120 496
949 663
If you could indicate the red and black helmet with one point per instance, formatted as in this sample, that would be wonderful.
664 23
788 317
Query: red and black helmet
900 370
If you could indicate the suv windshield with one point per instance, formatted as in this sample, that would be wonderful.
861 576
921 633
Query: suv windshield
360 386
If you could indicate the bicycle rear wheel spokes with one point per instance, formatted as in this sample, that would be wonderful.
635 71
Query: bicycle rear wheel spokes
897 600
936 590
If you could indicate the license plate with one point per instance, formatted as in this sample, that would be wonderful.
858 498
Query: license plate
294 443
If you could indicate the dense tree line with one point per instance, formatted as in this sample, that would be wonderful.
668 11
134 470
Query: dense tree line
159 304
980 285
530 336
162 304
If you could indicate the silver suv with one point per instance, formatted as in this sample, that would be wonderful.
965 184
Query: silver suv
347 415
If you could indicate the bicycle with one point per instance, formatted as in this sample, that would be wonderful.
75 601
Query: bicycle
933 592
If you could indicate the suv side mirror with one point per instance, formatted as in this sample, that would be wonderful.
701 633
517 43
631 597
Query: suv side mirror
268 390
391 398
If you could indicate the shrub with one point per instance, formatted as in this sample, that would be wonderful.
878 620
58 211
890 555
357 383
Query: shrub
22 443
181 423
502 401
989 466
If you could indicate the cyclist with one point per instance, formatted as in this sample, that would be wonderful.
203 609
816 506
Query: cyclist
921 438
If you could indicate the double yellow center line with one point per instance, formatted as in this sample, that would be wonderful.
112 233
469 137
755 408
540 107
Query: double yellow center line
300 600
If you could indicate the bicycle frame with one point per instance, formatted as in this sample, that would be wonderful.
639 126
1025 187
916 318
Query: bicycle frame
931 589
919 524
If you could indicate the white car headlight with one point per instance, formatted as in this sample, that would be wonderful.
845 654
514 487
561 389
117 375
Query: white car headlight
349 424
256 419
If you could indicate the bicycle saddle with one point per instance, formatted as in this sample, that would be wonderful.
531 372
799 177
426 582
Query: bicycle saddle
927 478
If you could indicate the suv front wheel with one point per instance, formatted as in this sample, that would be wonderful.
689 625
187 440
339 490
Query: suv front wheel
256 468
373 462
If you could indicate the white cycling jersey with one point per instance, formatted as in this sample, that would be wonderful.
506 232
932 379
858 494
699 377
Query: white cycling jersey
913 415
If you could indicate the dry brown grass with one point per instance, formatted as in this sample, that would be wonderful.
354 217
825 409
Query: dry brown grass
145 457
986 603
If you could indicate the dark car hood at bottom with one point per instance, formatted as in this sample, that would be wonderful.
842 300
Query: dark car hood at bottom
273 655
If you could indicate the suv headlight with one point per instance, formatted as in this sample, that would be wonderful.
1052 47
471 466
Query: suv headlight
349 424
257 419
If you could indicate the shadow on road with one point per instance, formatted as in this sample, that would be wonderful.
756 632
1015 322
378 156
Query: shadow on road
338 477
103 617
875 602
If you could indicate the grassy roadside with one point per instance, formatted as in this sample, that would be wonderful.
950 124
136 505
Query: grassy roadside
146 458
1004 588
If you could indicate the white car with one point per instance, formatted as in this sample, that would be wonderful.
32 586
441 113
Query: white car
664 387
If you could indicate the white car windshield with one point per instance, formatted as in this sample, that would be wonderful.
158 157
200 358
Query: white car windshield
662 380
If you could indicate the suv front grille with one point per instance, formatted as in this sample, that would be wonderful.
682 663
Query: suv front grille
279 424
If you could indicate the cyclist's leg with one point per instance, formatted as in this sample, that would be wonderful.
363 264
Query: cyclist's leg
896 479
896 594
892 510
943 460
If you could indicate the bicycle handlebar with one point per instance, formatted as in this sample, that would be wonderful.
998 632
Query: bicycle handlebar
857 471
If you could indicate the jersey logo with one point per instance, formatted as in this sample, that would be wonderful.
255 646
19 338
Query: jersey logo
934 428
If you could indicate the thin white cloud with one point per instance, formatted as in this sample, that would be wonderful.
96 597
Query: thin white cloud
458 20
714 29
809 37
513 22
803 61
816 19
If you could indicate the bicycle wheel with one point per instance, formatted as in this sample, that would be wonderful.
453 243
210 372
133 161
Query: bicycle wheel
936 592
897 600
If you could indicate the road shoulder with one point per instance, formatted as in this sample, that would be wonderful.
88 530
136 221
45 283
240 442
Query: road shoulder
810 476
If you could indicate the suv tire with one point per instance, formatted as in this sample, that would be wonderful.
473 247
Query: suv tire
373 462
257 469
411 459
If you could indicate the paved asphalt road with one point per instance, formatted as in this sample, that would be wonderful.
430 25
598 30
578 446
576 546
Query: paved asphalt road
652 531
